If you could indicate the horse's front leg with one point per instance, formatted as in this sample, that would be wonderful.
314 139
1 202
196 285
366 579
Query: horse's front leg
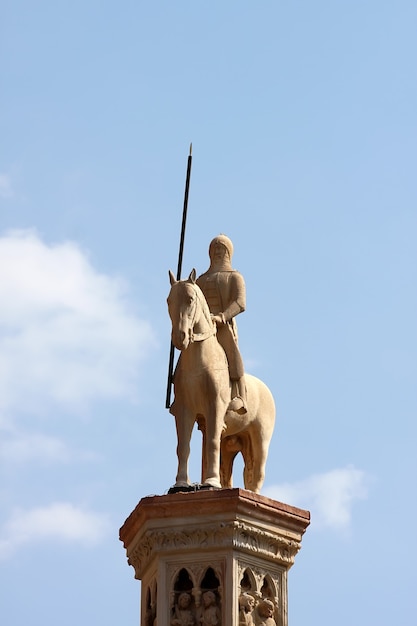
184 424
214 429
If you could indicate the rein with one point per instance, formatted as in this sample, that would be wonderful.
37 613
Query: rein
203 336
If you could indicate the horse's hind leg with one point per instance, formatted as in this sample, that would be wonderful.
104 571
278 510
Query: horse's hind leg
202 427
229 448
250 479
184 427
255 454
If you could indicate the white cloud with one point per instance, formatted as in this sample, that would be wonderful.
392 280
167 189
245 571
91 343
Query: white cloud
58 521
329 496
23 447
67 333
5 186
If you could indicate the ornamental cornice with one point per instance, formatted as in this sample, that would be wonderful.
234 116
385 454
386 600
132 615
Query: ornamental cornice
195 540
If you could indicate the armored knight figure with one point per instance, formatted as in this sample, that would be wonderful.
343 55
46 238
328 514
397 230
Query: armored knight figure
224 289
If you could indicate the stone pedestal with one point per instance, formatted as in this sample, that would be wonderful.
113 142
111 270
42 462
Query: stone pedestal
213 557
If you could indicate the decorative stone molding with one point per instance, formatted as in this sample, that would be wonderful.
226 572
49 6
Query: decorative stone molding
272 546
237 534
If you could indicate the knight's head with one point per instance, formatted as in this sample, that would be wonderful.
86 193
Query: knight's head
221 248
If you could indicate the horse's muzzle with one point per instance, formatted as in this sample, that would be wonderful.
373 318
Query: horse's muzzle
180 340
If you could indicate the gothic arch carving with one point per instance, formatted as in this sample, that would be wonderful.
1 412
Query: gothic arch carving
269 589
182 580
248 581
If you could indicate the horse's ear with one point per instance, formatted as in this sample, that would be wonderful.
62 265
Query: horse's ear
172 278
192 276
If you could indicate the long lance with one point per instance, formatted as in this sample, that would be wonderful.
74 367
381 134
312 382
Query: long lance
181 250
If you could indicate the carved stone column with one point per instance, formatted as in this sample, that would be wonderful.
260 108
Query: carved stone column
213 557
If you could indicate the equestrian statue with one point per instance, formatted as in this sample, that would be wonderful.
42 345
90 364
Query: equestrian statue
234 410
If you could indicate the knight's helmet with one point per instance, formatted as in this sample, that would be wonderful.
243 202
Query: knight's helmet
224 241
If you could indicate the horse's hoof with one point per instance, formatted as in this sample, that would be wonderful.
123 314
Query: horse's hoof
181 487
211 483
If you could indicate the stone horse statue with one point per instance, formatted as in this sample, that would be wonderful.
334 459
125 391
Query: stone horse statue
202 394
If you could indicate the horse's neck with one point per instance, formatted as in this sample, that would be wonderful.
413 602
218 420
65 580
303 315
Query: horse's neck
204 350
204 324
206 354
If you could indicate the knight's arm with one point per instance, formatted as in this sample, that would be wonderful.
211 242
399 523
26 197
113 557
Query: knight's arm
238 297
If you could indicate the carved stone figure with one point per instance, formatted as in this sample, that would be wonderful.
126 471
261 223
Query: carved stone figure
182 614
210 371
263 614
210 612
246 606
202 394
224 290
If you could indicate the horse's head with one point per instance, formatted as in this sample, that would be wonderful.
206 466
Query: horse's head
186 304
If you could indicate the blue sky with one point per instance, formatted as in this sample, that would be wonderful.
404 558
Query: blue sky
303 122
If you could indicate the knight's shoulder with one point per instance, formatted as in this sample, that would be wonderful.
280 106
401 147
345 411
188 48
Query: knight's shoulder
202 277
236 273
